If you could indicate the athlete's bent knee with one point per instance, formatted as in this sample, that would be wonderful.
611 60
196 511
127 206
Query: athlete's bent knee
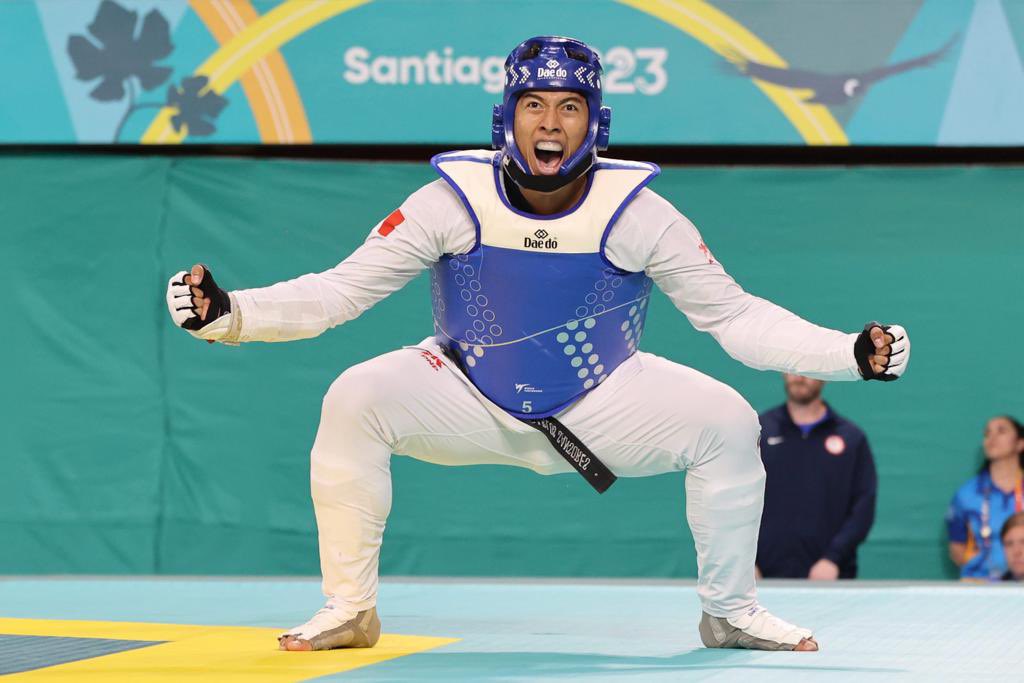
355 391
357 399
735 421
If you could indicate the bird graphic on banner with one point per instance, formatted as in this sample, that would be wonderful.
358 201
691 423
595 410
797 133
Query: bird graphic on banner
832 89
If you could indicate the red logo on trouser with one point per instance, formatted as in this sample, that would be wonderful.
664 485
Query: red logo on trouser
433 360
391 222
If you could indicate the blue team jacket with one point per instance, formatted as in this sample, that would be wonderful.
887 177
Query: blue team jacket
819 494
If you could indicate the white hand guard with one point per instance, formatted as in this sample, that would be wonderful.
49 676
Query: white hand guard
179 303
900 355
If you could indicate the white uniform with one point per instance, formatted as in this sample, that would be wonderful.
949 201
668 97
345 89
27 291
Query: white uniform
649 417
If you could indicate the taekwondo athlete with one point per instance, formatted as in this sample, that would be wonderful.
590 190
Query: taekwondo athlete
542 256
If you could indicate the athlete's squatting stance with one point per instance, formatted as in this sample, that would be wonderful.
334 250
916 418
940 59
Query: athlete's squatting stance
542 257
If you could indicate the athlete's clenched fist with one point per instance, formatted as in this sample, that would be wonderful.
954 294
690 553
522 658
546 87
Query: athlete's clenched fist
196 303
882 351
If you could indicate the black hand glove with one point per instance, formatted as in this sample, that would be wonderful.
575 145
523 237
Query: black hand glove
220 302
863 348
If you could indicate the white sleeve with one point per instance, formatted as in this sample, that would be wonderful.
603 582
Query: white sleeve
430 223
653 236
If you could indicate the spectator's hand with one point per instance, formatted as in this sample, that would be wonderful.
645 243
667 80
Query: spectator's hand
824 570
196 303
882 351
958 553
757 573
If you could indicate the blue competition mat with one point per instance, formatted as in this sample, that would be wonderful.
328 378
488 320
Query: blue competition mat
508 630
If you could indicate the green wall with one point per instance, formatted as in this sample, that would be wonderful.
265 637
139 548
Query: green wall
127 446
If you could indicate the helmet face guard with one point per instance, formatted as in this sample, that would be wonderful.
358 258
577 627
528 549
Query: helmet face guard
551 63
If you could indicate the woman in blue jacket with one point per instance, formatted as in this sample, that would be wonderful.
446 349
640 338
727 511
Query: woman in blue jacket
982 505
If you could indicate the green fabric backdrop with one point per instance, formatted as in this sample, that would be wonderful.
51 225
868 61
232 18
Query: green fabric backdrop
127 446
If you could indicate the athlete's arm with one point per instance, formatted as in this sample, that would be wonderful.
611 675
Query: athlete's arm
653 236
430 223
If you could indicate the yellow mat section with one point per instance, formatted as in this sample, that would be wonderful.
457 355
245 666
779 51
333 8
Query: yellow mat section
201 653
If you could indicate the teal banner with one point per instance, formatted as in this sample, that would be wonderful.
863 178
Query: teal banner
860 72
127 446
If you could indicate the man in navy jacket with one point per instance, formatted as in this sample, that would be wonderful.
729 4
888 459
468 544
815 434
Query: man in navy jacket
820 493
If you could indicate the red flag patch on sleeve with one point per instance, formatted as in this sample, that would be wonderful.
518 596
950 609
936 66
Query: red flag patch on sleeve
707 252
391 222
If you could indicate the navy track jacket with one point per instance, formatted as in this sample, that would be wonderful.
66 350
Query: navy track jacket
819 497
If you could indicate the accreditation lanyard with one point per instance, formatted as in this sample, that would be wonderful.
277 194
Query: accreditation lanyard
986 513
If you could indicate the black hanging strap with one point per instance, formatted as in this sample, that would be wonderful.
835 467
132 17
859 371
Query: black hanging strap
575 452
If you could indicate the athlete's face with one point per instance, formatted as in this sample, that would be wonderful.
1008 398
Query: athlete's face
1013 548
1001 440
549 127
802 390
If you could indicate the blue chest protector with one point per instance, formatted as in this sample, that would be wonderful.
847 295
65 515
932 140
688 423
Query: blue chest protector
535 313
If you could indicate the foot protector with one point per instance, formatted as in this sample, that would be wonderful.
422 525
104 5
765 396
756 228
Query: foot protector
755 629
328 630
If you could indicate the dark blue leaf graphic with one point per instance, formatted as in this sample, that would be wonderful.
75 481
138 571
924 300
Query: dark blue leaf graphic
119 54
197 106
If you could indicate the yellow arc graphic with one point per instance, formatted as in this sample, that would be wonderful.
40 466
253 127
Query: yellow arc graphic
697 18
268 86
235 58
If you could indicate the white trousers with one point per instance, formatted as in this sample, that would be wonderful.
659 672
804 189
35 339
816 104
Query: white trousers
650 416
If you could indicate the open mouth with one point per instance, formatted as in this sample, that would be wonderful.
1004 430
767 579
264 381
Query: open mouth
549 156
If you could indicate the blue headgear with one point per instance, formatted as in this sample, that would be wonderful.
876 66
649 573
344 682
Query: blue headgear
551 63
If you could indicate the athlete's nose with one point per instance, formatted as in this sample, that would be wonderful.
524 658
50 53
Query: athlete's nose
550 121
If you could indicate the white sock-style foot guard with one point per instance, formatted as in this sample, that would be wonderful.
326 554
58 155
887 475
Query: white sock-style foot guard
755 629
332 628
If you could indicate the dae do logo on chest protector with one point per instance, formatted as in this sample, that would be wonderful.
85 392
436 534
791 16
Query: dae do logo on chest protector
535 314
541 240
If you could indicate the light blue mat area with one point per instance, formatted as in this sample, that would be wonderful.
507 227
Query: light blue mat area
601 631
